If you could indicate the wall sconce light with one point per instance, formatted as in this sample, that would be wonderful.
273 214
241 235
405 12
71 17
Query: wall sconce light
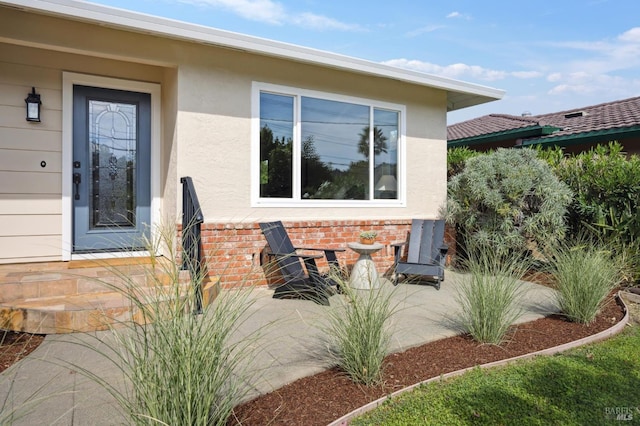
33 106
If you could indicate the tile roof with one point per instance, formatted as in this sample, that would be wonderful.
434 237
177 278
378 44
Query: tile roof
605 116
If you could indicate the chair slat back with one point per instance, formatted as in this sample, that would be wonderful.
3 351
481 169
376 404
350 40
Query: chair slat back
425 240
279 242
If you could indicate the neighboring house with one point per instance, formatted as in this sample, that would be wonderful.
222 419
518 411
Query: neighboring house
267 131
574 130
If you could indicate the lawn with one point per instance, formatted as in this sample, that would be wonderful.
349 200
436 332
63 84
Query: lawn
592 385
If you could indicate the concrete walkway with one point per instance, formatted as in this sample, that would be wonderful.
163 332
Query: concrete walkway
292 347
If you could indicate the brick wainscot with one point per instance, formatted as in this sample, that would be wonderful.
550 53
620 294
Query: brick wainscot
236 252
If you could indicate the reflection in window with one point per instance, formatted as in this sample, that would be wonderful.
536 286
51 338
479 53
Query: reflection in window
385 148
335 150
276 145
335 159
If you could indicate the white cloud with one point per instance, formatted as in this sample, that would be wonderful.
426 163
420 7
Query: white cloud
631 36
553 77
458 15
461 70
254 10
274 13
582 83
526 74
423 30
319 22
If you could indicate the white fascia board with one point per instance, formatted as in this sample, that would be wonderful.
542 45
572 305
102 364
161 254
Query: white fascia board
463 93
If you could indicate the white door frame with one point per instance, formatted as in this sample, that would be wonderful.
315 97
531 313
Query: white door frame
69 79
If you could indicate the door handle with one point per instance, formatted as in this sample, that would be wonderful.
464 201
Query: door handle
77 178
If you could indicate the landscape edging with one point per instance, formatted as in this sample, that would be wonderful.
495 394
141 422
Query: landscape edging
615 329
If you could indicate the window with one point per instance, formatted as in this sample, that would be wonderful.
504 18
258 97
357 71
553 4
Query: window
315 146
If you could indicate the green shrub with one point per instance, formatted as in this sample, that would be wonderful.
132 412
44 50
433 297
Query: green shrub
552 156
488 293
585 273
508 199
456 158
358 332
607 196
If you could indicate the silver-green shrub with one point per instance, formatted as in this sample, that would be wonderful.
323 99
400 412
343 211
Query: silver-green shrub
585 273
508 199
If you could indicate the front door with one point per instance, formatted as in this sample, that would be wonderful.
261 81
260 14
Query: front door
111 169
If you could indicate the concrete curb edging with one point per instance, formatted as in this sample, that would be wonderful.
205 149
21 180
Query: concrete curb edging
617 328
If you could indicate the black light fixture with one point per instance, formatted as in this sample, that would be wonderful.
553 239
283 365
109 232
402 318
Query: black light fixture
33 106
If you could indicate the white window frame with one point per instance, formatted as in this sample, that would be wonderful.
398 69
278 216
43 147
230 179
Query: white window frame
296 201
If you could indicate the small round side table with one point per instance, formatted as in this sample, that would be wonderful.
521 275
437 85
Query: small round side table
364 275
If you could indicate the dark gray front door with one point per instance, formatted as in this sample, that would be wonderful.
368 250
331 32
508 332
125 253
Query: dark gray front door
111 169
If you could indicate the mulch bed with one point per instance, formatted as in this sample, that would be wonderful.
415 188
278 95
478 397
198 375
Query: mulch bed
15 346
327 396
324 397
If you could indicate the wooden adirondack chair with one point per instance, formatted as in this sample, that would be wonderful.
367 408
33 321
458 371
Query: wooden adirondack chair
298 283
425 252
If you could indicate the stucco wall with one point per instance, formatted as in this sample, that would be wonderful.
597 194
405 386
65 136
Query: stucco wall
214 134
206 132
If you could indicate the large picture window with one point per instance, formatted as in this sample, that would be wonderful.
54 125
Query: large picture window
318 147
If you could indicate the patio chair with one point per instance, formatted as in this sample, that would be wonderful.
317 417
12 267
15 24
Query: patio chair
425 252
309 285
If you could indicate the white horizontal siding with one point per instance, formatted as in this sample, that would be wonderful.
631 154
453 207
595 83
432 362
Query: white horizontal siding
34 247
30 225
15 204
30 194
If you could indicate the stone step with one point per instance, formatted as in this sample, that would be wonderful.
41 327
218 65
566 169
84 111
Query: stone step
81 296
90 311
51 279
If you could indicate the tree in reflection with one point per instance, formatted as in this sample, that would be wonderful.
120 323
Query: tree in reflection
276 165
379 142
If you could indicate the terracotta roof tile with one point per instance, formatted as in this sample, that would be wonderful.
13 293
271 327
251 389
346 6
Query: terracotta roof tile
605 116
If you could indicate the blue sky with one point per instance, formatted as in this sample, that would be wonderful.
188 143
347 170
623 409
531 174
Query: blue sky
547 55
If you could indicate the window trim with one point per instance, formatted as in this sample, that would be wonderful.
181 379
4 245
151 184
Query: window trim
298 93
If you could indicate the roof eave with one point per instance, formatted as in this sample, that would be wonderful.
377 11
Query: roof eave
585 138
460 94
520 133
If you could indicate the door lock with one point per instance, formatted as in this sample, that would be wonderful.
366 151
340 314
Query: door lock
77 178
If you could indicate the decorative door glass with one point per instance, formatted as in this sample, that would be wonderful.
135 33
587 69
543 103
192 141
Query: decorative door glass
113 144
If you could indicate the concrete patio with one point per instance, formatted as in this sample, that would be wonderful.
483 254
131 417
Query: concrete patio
291 348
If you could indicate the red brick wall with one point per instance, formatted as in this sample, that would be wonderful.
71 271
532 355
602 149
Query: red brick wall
235 251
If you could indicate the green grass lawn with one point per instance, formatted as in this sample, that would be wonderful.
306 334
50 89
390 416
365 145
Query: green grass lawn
591 385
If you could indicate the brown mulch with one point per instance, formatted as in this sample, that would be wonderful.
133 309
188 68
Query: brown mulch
15 346
327 396
324 397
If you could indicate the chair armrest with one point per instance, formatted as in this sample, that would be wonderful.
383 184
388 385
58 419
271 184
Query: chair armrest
320 249
399 244
443 248
301 256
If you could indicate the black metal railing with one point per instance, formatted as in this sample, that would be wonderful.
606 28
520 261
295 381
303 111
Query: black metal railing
192 256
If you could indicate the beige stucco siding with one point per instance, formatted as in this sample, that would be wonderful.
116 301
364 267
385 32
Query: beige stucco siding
206 125
214 142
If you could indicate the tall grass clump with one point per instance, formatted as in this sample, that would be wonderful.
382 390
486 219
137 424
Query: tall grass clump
585 273
179 368
358 332
488 293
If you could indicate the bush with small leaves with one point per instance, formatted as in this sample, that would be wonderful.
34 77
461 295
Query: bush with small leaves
508 199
